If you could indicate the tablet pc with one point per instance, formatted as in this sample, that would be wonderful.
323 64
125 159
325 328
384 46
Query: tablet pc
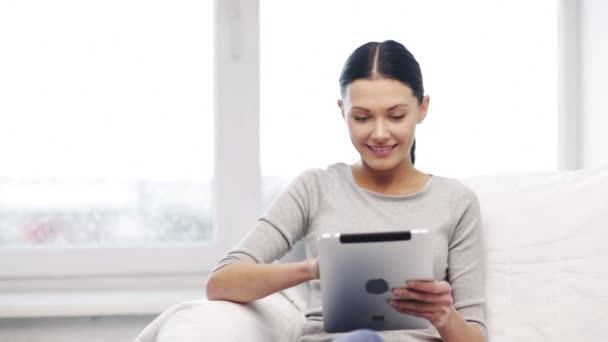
358 272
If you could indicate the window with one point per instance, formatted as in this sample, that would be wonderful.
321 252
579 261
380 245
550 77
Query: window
493 84
106 126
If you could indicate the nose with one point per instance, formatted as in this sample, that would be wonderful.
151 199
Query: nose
380 131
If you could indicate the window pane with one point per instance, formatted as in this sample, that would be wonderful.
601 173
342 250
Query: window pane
493 84
106 124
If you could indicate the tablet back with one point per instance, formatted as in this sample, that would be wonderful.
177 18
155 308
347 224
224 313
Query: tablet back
358 272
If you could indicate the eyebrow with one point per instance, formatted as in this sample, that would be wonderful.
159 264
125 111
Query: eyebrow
389 109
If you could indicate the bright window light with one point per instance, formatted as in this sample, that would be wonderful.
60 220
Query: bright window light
106 122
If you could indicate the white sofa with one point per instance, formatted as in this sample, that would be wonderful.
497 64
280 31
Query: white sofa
546 245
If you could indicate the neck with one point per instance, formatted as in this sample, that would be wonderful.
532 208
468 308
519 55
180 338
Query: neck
402 178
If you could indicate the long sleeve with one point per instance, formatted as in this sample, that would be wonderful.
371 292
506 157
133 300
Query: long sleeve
285 222
465 259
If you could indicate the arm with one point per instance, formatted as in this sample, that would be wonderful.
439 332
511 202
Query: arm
454 304
433 300
457 329
261 279
247 273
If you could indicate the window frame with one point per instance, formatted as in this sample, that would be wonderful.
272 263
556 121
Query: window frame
236 172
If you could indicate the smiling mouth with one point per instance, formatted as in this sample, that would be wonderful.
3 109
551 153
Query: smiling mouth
381 148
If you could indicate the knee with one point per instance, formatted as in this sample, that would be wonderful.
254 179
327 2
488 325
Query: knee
362 335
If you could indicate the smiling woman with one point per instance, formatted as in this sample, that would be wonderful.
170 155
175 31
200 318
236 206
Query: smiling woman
380 112
380 120
382 106
382 102
381 115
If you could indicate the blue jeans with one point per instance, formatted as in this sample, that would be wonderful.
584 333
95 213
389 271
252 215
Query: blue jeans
362 335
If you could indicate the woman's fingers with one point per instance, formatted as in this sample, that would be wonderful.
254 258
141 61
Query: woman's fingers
431 300
407 294
434 286
431 316
414 306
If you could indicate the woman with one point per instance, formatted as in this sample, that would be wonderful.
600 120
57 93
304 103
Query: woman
382 103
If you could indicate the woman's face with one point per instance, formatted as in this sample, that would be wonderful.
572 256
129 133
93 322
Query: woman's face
382 115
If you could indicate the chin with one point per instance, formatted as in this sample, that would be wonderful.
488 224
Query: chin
381 165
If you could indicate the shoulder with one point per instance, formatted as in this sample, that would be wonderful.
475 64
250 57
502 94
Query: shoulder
310 187
464 209
460 195
322 178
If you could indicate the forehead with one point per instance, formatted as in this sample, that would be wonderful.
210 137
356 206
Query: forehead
378 93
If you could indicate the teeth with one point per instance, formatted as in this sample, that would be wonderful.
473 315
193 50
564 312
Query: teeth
380 149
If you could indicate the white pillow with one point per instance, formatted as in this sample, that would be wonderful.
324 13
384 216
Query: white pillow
546 247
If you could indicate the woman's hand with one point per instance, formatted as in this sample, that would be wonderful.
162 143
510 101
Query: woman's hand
431 300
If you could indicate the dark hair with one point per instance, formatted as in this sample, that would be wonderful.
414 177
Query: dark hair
388 59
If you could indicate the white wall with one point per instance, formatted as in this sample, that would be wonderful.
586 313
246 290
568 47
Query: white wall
594 56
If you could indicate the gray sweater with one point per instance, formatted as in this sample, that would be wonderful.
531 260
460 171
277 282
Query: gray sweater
329 201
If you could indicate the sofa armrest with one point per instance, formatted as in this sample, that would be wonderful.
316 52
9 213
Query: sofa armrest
273 318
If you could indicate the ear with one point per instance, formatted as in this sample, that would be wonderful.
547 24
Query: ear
423 108
341 105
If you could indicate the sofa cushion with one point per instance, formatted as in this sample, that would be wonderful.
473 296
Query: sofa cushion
546 255
271 318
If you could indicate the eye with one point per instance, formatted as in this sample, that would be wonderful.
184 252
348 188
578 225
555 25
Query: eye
360 118
398 117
